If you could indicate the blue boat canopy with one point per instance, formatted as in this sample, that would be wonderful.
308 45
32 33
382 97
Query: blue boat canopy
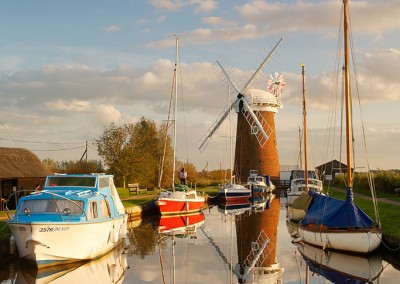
335 213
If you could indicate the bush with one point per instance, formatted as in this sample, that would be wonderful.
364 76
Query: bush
385 181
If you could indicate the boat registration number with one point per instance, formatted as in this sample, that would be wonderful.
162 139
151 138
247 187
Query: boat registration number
52 229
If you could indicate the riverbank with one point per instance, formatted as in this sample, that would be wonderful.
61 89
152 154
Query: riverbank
138 206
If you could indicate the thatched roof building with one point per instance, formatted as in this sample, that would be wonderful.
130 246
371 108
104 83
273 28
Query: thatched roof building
20 163
20 169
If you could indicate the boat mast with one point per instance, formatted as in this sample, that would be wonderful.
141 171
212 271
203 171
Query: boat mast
347 93
230 136
305 129
175 109
300 151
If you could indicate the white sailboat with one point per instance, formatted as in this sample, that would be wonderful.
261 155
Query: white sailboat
337 224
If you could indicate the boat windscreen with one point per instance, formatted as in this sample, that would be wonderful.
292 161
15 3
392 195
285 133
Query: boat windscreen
52 206
71 181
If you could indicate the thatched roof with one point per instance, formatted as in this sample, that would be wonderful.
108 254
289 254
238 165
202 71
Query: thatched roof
20 163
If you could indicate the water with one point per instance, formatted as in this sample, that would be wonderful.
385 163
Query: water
220 245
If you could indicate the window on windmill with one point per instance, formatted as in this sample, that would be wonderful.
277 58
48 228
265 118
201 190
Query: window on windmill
254 130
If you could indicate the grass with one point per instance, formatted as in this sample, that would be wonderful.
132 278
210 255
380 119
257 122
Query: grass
5 232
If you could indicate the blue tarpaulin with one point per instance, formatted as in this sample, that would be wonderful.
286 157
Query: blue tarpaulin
335 213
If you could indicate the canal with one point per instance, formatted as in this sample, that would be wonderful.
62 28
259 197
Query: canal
237 244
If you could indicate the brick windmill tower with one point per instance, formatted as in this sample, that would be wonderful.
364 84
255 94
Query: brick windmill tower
256 147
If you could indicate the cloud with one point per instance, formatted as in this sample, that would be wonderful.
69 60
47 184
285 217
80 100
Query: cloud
112 29
218 21
106 114
369 17
200 6
72 106
258 19
205 5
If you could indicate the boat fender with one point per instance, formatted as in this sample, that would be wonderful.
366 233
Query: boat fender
13 245
114 236
298 240
325 244
113 272
124 230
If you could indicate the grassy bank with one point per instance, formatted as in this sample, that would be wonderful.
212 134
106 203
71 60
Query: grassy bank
389 214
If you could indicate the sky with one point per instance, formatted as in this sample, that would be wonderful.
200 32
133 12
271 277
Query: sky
68 69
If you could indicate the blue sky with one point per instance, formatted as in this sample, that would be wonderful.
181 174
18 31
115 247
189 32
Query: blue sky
69 68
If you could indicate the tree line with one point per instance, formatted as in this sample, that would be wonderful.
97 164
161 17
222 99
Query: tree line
133 153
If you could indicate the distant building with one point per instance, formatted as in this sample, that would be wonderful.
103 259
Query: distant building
20 169
329 170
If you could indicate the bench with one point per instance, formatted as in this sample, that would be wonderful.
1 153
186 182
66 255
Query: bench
397 191
135 189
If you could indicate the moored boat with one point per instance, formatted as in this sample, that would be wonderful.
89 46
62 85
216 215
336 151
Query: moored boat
339 224
303 184
259 184
179 199
234 193
74 218
298 185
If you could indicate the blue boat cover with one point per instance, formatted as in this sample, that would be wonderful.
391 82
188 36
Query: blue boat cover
334 213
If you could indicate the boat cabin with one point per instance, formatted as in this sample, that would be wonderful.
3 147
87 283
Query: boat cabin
70 198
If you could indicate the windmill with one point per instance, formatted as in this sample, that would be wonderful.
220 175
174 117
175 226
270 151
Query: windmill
256 147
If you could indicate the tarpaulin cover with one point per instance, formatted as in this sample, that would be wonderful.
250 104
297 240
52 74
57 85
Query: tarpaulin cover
302 202
335 213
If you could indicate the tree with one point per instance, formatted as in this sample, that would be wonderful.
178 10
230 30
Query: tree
133 152
114 146
74 167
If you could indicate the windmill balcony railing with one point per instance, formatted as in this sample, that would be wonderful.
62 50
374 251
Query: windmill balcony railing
262 100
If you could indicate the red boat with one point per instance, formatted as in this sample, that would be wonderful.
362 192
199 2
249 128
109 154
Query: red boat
179 202
180 199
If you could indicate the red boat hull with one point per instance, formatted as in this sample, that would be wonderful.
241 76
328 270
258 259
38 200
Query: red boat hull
174 206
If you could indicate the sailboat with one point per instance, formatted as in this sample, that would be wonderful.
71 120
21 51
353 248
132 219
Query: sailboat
182 199
298 194
337 224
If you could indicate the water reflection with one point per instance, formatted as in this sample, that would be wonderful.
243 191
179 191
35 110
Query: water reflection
340 267
256 244
108 269
227 243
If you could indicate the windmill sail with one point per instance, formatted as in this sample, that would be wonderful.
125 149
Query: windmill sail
259 126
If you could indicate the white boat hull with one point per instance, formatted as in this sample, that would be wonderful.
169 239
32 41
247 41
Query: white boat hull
355 241
50 243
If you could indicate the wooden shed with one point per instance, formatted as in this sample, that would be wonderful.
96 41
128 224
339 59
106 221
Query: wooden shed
329 170
20 169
